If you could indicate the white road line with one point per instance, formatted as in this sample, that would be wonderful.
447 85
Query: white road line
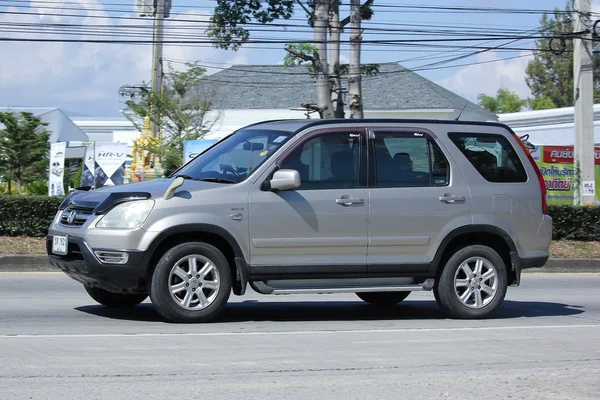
281 333
31 273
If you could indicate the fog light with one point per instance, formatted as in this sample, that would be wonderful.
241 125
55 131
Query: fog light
112 257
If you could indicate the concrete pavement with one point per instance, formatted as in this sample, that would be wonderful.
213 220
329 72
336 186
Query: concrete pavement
56 343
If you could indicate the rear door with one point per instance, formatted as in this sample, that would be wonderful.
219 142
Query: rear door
503 193
417 196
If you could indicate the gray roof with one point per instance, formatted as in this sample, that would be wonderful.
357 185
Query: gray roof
61 127
279 87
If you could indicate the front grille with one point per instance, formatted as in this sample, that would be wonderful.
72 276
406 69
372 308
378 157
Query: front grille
75 216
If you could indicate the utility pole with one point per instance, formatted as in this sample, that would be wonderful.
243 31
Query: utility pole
157 55
583 78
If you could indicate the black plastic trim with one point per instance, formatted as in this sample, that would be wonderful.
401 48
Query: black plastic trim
312 123
117 198
242 275
401 268
118 278
435 264
534 262
186 228
268 270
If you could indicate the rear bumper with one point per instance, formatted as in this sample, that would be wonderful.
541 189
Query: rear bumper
525 263
535 262
82 265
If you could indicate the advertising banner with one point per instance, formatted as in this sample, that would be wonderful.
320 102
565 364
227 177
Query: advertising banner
104 164
557 167
109 164
191 148
57 169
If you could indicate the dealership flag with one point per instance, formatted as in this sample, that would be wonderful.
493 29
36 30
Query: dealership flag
57 169
87 178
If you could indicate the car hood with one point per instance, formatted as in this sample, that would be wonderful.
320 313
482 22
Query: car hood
105 196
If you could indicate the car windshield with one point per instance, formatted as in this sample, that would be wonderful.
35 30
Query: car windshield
236 157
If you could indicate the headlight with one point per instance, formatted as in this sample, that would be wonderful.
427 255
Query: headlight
131 214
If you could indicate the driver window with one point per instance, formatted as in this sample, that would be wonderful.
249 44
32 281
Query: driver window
329 161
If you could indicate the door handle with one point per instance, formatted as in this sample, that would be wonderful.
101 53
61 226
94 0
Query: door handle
449 199
348 201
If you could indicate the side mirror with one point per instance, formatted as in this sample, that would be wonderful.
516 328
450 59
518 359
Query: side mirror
285 179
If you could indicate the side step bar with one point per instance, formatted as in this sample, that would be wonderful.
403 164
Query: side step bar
263 288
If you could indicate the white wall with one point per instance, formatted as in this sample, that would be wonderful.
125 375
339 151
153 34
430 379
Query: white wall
549 127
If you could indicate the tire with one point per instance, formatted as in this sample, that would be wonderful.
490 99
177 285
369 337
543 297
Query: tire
201 291
483 291
115 300
383 299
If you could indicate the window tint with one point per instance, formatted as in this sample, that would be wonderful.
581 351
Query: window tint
329 161
491 155
408 159
440 170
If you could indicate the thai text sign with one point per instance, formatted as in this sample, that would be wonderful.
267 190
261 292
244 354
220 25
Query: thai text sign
557 167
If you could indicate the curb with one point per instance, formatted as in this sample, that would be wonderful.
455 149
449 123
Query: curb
570 265
39 263
25 263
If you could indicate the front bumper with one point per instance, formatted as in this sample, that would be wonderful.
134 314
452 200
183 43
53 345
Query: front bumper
81 264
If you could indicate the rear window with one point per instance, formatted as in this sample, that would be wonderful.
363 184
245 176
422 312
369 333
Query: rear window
491 155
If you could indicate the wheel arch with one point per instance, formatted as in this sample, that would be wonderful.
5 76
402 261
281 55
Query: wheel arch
207 233
487 235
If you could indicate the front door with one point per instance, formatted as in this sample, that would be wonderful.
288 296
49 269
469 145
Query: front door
417 196
321 226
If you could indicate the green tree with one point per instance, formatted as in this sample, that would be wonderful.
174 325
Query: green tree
228 32
24 148
550 73
183 112
541 103
504 102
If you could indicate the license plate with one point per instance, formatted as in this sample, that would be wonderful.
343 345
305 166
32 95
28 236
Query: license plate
60 244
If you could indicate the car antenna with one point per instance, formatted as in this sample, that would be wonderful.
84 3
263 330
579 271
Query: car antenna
461 111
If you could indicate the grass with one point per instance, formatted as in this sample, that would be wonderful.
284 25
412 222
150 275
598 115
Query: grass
559 249
22 245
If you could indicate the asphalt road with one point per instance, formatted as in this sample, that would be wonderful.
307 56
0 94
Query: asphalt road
56 343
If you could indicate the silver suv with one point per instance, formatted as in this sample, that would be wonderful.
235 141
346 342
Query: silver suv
375 207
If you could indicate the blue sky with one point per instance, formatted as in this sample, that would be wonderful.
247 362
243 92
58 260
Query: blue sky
85 77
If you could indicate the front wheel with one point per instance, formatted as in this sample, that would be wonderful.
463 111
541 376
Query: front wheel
473 283
383 299
115 300
191 283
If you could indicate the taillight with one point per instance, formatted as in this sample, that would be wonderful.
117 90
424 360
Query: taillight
538 173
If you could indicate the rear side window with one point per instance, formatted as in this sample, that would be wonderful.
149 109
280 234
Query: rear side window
408 160
491 155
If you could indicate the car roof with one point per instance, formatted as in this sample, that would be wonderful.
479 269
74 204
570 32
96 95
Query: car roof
296 125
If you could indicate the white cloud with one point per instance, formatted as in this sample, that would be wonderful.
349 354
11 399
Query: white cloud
487 78
86 77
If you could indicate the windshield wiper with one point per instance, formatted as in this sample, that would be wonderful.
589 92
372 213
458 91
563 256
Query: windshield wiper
218 180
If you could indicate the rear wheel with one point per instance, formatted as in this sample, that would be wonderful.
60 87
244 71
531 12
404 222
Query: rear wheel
473 283
115 300
383 299
191 283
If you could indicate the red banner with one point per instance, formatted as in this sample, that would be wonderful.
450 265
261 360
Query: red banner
564 155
